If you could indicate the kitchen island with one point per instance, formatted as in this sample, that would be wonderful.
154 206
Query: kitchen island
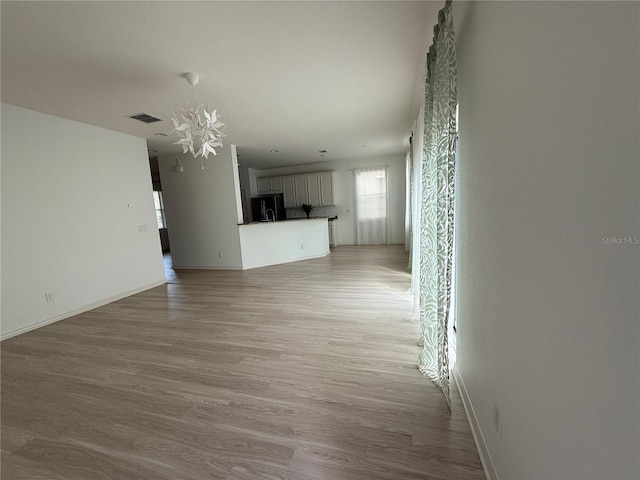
272 243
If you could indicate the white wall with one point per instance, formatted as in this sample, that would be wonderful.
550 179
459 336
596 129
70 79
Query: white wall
548 315
201 207
344 191
66 226
271 243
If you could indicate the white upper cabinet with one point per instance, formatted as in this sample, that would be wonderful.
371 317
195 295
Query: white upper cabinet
263 185
315 189
275 184
268 185
327 190
289 191
302 192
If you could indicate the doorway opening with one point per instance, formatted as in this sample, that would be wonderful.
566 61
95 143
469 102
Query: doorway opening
158 203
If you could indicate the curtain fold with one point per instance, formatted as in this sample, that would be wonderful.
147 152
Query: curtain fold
417 141
437 203
407 205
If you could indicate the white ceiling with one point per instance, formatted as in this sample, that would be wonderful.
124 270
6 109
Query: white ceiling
296 77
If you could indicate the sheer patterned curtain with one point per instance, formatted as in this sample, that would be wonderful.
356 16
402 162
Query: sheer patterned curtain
437 202
372 206
417 141
407 205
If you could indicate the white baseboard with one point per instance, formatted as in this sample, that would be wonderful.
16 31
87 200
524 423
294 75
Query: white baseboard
196 267
86 308
483 451
370 244
266 264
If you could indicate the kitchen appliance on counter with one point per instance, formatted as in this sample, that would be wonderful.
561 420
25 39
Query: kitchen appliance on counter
268 208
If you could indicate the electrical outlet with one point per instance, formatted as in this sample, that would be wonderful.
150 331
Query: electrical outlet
220 255
143 228
48 297
497 420
348 210
301 246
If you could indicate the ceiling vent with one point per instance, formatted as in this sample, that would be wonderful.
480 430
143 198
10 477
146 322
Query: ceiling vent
145 117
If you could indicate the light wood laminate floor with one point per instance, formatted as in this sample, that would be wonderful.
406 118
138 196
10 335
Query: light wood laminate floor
305 371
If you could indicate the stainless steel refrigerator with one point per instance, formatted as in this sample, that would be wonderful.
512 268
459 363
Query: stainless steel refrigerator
267 208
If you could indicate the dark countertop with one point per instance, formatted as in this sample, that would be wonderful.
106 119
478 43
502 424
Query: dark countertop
290 220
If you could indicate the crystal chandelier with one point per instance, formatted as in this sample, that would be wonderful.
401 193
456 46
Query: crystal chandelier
196 127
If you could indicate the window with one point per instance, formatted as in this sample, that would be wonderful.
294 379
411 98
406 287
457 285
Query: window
159 204
372 194
372 206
